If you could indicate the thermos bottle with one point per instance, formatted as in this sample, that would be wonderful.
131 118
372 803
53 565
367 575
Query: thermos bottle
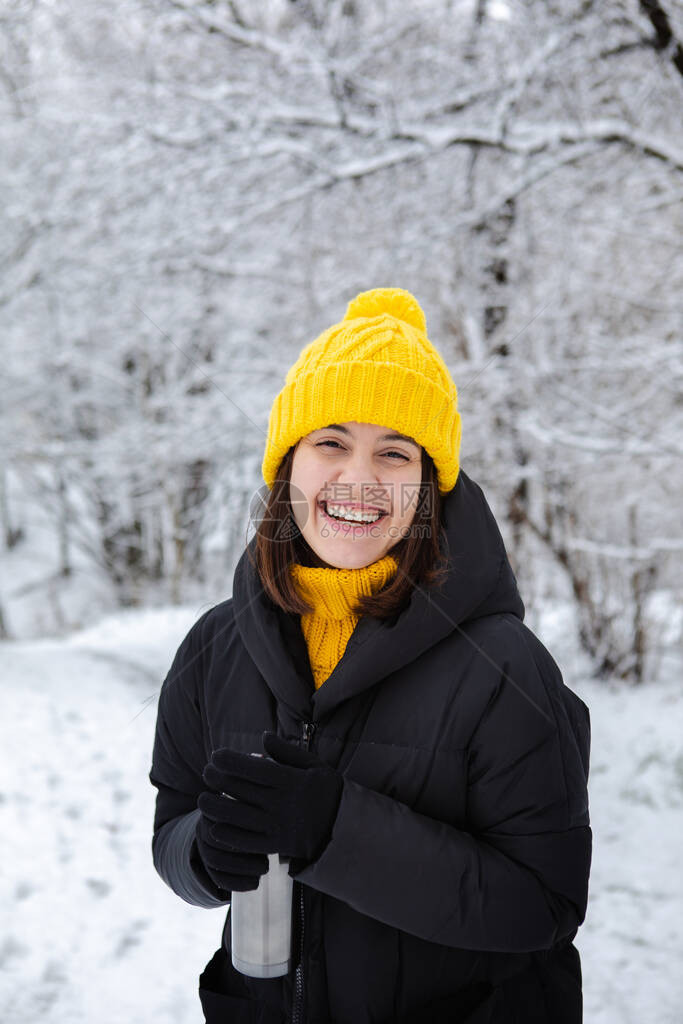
261 922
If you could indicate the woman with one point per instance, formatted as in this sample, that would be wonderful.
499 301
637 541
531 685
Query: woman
429 767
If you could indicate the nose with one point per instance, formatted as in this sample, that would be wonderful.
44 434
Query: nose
359 477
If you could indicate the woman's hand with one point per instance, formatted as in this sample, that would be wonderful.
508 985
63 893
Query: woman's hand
227 868
287 805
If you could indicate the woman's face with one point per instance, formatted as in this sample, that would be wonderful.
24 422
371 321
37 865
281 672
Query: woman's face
349 469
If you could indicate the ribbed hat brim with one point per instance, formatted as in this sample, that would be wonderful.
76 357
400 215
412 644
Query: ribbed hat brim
383 393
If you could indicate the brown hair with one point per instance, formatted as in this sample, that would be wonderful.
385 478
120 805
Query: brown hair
279 542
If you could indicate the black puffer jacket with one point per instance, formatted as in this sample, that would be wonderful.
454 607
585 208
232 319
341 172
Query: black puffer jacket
457 872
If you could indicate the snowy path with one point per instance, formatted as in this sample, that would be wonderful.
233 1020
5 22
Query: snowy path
631 943
89 933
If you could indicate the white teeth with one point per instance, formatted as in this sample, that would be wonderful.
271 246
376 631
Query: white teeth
353 515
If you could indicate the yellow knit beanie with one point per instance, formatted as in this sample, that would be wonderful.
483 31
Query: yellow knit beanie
376 366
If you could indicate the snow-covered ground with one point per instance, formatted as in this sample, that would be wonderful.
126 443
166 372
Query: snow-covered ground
89 933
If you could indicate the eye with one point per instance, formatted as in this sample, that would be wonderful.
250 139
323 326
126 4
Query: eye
400 455
320 443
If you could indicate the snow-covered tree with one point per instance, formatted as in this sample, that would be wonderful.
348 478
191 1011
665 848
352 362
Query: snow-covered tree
192 190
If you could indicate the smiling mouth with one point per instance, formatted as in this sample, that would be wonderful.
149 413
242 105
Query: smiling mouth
343 514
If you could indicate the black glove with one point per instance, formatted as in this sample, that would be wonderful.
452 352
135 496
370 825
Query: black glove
287 808
227 868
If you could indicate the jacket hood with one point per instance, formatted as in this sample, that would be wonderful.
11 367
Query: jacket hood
480 582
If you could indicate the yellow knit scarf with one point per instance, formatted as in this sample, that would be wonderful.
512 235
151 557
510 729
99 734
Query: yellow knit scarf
332 594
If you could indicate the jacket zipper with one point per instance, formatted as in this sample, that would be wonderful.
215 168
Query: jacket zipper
308 730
